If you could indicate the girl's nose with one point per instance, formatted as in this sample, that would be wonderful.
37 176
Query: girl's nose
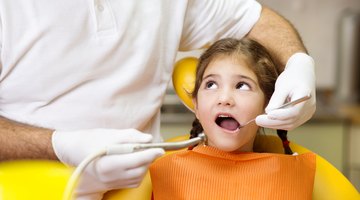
226 98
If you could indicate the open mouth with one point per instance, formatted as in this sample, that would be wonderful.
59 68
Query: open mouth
227 122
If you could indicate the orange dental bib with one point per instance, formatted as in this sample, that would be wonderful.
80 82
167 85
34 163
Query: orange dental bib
208 173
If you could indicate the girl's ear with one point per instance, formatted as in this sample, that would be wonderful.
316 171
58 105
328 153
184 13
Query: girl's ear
195 107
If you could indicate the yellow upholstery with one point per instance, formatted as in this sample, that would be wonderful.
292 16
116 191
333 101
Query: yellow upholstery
184 79
28 179
330 183
44 180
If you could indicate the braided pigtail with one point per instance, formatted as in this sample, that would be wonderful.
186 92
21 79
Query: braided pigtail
195 130
283 136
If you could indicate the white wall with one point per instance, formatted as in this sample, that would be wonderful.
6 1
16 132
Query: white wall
317 21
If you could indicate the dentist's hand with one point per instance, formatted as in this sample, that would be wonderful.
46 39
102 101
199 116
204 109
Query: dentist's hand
108 172
296 81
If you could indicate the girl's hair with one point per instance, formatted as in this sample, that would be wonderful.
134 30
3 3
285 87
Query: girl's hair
257 58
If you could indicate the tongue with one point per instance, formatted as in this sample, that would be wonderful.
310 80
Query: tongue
229 124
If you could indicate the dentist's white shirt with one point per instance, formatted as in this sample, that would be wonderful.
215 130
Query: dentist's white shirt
76 64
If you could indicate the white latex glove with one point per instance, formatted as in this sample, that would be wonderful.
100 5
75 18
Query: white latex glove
108 172
296 81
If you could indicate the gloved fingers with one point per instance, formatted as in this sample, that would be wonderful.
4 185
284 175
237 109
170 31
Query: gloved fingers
116 166
129 179
89 186
124 177
265 121
72 147
147 156
130 136
309 106
300 92
278 98
89 196
140 158
300 112
289 113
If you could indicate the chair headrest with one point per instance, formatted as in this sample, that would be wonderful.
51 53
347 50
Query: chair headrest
183 79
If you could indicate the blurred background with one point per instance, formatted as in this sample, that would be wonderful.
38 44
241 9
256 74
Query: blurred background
330 30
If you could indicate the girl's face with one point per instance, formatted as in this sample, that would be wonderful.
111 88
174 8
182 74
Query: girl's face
229 95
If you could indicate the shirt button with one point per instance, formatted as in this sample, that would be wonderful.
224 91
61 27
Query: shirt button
100 7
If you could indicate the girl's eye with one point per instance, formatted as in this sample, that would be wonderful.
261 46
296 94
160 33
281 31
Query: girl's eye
210 85
243 86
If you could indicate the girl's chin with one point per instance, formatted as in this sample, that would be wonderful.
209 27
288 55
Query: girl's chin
227 147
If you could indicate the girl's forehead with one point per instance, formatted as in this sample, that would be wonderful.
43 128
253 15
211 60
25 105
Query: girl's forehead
235 58
231 67
230 63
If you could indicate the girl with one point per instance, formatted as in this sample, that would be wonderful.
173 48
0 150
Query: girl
234 82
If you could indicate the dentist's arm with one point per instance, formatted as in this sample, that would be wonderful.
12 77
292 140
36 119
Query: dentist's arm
298 74
278 35
21 141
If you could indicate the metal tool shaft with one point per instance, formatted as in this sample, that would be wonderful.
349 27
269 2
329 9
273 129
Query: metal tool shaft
173 145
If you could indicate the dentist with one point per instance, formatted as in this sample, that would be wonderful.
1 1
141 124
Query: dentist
79 75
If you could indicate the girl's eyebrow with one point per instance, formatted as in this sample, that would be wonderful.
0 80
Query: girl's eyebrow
209 75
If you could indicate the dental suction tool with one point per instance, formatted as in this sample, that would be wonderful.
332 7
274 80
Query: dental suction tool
123 149
128 148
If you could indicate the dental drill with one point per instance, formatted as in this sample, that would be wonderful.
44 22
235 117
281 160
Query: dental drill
128 148
123 149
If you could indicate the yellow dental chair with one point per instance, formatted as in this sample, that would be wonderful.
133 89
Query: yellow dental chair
44 180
